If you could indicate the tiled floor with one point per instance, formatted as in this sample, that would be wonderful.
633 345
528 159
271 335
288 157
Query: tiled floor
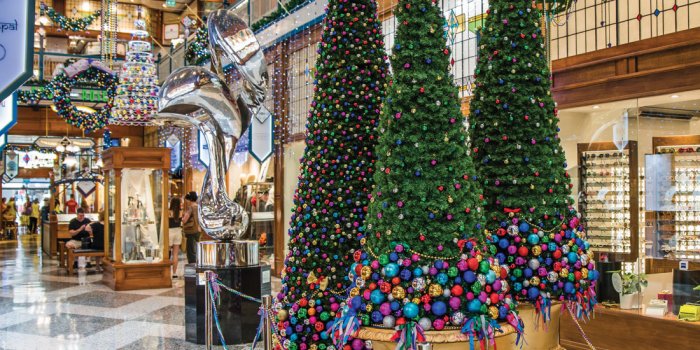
41 307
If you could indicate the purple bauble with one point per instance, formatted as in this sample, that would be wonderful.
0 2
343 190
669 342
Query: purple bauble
385 309
454 303
357 344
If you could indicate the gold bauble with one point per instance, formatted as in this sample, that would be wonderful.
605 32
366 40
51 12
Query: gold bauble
435 290
479 257
493 312
398 292
536 250
584 272
416 301
564 273
365 272
368 307
282 315
534 281
354 292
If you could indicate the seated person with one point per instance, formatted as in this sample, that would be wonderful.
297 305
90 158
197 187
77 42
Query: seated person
77 230
96 230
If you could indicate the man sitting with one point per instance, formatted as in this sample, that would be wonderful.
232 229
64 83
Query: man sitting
77 230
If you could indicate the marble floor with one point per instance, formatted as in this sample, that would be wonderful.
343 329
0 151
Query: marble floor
41 307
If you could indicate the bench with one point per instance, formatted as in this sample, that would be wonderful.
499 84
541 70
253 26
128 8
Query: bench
73 253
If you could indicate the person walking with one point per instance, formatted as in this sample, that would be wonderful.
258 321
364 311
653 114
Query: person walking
190 226
34 217
175 233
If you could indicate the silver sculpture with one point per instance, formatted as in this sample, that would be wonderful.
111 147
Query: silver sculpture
200 97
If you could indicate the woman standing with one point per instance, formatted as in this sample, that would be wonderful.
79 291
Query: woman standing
175 232
190 226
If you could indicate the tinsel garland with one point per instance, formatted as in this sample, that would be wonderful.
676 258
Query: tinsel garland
70 24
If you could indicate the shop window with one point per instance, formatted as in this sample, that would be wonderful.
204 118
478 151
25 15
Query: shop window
301 80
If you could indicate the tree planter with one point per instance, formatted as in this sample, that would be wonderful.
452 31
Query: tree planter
537 336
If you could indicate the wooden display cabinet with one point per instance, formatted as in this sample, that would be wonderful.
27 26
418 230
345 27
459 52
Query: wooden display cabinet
609 183
136 194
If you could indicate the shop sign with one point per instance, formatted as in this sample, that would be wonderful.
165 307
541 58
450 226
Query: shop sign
173 142
8 114
11 165
16 45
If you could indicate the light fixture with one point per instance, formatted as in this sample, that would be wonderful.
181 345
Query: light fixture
60 148
86 5
675 96
596 107
70 161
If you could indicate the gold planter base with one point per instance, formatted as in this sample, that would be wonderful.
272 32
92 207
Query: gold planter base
537 337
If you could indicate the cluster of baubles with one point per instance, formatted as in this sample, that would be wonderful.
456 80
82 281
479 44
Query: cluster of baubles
401 286
554 264
137 93
198 51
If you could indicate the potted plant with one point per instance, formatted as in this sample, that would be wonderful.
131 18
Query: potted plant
629 285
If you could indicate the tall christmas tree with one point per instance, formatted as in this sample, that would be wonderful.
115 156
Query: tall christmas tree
422 267
331 199
519 158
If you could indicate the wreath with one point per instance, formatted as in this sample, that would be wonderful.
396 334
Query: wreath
84 71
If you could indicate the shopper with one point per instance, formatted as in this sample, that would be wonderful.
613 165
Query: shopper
26 212
57 207
72 205
34 217
10 212
175 232
190 226
96 232
77 230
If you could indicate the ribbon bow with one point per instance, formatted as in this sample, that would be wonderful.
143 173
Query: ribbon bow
510 210
408 335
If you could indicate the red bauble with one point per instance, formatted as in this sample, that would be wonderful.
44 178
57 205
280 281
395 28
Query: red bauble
457 290
522 251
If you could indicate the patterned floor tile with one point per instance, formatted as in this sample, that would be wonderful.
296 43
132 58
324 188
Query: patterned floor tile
105 299
172 314
64 326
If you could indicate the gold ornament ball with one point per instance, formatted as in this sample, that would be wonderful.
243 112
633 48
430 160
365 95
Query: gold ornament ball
535 281
564 273
366 272
354 292
493 312
536 250
398 292
435 290
282 315
368 308
584 272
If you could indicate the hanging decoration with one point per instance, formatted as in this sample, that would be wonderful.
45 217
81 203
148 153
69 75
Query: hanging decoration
137 95
108 44
69 24
81 71
35 96
198 51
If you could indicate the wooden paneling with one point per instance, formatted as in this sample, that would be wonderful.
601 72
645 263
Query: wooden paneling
36 122
142 157
650 67
615 329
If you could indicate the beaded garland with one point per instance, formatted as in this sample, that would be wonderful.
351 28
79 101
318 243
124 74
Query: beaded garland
330 202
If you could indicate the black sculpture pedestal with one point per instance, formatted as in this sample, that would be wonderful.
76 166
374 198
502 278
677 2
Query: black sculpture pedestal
238 317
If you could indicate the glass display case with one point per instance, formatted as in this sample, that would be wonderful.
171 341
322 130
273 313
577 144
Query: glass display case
137 183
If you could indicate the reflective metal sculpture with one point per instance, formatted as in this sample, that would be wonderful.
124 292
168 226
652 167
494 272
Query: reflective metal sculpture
200 97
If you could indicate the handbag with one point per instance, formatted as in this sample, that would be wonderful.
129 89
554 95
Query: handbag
85 243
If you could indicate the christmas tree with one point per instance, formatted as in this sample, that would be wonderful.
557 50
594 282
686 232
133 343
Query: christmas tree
137 94
198 51
331 199
519 158
422 266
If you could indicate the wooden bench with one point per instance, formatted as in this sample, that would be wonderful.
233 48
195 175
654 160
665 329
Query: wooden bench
73 253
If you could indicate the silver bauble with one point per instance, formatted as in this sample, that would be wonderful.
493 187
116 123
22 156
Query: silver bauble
418 284
425 323
552 276
389 321
513 230
457 318
534 264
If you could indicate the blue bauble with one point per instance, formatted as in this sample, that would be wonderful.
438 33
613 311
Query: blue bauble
405 274
569 288
533 293
573 257
474 305
376 317
490 277
352 269
527 272
356 302
438 264
551 246
441 278
293 337
502 312
469 276
524 227
439 308
503 243
533 239
395 305
417 272
391 269
393 256
377 297
593 275
324 335
410 310
501 258
517 286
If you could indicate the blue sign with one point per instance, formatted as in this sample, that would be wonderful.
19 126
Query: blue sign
16 45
